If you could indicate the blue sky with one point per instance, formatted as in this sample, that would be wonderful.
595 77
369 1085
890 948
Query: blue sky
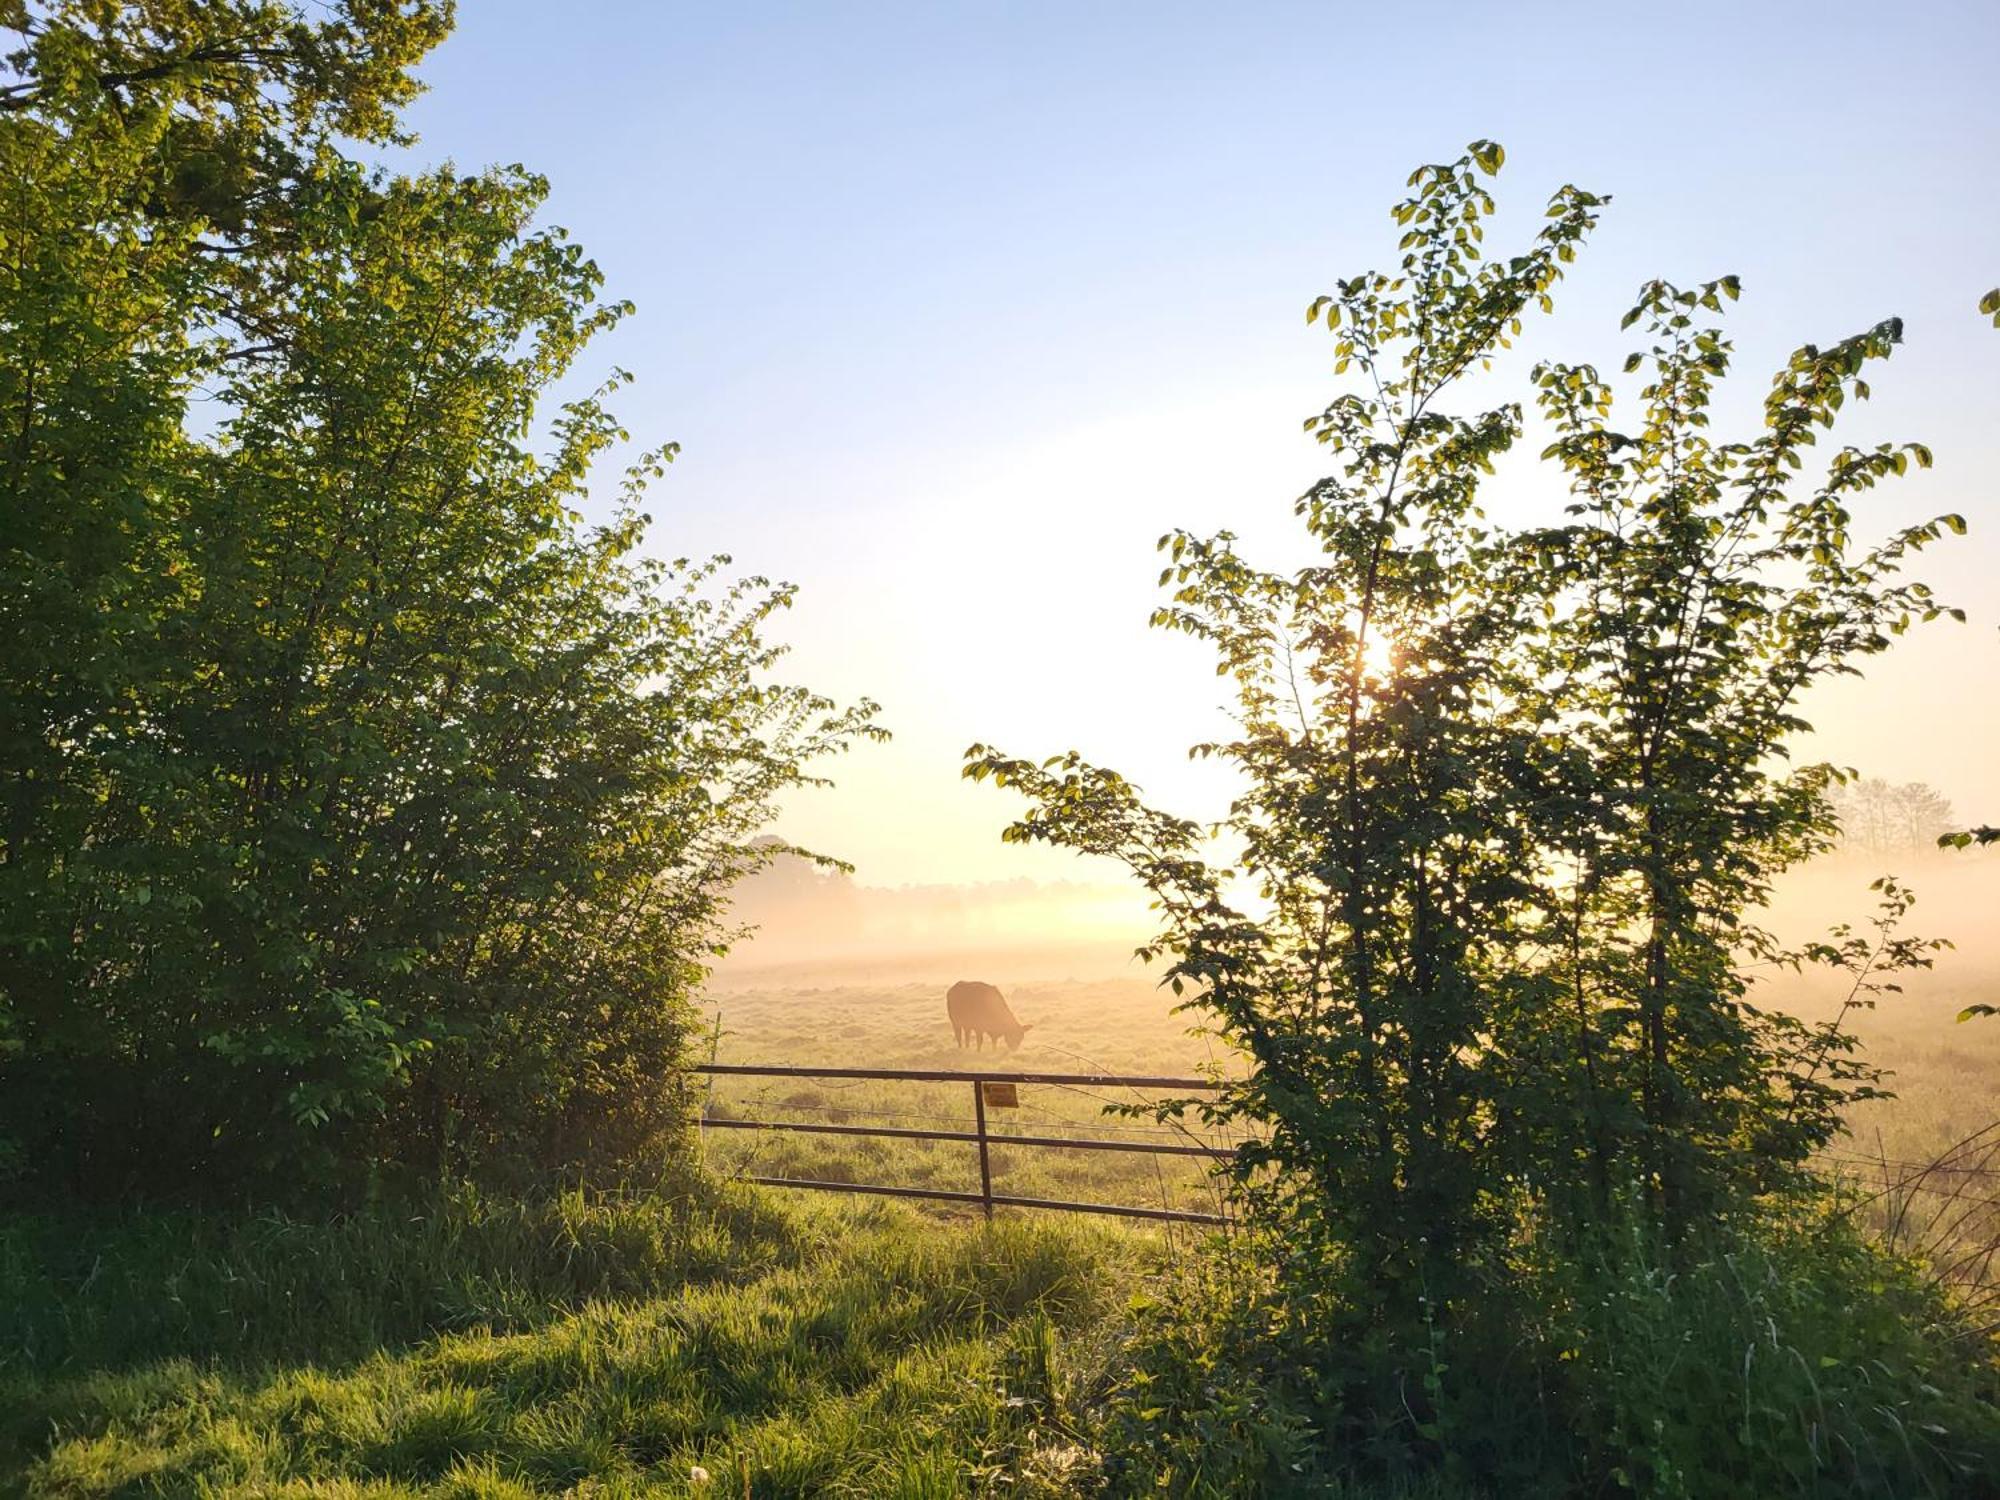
955 308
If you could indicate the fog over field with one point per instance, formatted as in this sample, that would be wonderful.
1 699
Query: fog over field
845 973
815 925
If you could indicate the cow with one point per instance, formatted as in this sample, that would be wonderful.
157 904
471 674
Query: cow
978 1011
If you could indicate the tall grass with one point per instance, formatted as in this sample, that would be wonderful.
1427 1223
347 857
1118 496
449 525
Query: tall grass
712 1340
1788 1355
79 1291
479 1347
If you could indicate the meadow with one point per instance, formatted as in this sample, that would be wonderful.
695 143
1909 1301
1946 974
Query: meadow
710 1338
1119 1026
380 783
637 1345
1092 1008
693 1340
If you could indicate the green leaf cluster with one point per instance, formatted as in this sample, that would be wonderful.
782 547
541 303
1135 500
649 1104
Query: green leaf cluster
362 811
1482 911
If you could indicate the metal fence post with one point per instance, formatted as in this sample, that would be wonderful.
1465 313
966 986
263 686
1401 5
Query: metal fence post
985 1164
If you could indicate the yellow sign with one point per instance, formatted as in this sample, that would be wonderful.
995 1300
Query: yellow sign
1000 1095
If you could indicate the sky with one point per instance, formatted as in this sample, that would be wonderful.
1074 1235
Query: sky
955 308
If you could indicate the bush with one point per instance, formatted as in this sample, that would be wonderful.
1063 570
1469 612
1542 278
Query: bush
1786 1356
366 813
1792 1358
1213 1396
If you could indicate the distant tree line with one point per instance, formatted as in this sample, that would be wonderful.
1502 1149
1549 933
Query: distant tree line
362 811
1884 818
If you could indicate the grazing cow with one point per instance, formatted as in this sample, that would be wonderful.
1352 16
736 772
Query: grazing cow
978 1011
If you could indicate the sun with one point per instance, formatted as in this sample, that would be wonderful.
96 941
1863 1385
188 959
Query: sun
1378 657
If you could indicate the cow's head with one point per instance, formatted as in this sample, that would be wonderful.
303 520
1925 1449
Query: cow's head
1015 1033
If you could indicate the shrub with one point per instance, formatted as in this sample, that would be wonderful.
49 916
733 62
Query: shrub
1782 1356
364 812
1790 1358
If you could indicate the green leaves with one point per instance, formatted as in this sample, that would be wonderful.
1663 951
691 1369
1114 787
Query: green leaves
1386 757
1967 838
367 812
1505 869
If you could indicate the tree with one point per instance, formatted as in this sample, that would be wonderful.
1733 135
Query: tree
1881 818
1388 808
1682 651
1504 876
364 811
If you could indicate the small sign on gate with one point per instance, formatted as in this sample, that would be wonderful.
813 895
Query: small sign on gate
1000 1095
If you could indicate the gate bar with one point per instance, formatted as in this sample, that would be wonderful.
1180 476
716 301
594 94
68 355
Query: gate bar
900 1133
1004 1200
985 1162
947 1075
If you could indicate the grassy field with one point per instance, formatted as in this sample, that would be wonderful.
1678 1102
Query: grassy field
1120 1026
727 1341
767 1344
1945 1075
606 1347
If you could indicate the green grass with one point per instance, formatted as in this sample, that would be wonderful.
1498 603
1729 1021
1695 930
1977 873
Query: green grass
1946 1078
634 1344
1113 1026
615 1344
779 1343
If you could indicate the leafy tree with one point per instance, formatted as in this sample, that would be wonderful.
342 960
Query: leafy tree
1483 906
363 810
1388 813
1706 595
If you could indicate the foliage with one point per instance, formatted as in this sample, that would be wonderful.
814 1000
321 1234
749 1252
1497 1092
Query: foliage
1483 912
1383 818
473 1344
360 809
1782 1356
1792 1360
1968 837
